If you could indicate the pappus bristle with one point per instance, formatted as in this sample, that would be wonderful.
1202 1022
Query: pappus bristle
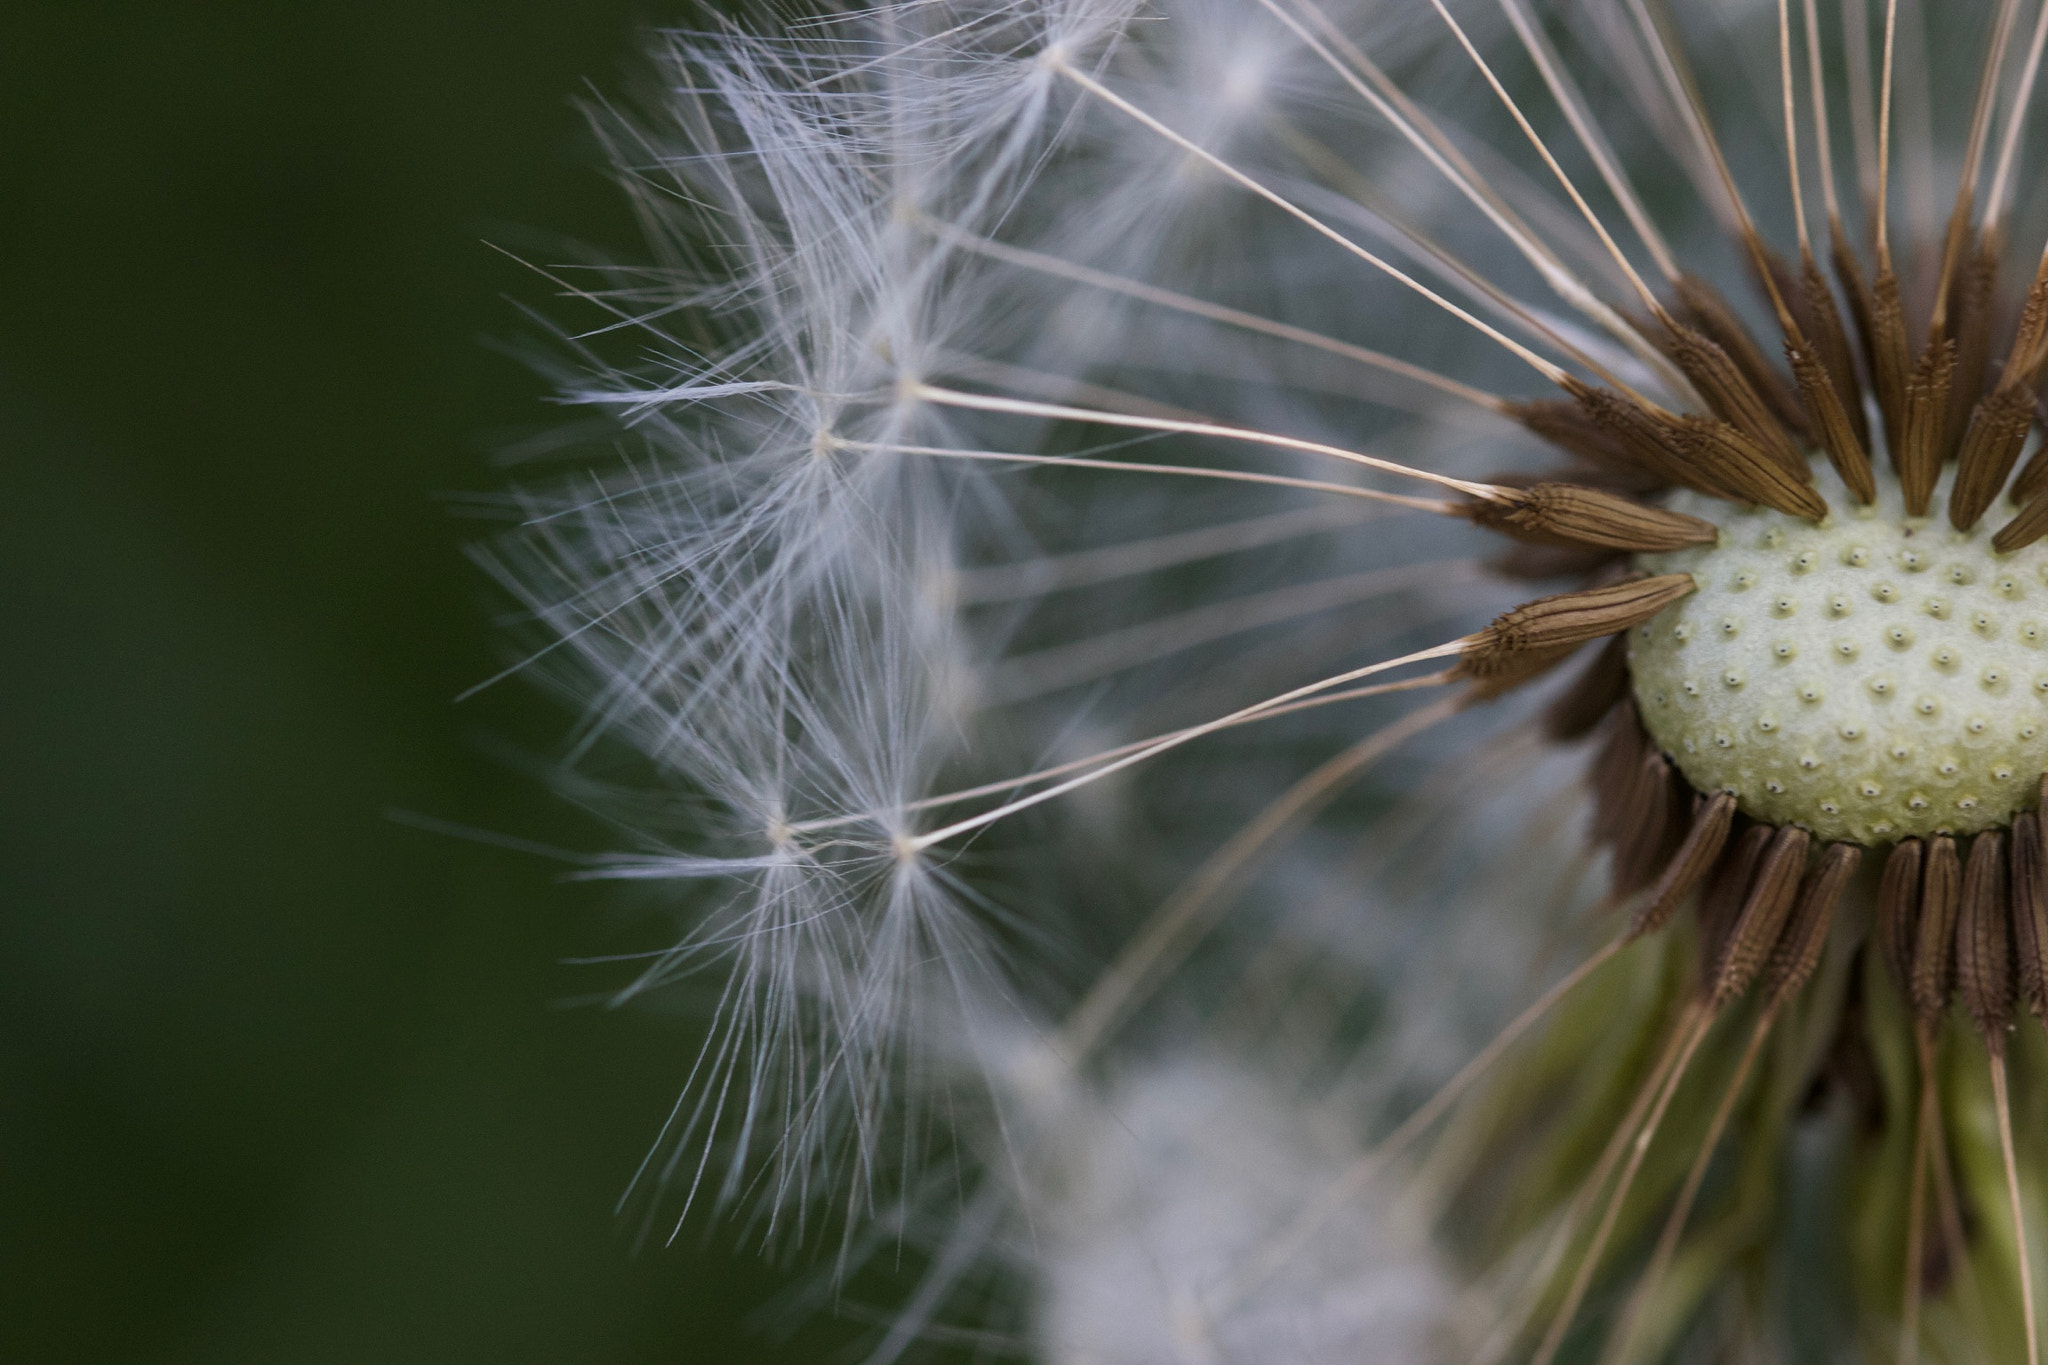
1132 515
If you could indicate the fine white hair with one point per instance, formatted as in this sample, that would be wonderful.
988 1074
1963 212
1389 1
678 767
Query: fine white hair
1037 430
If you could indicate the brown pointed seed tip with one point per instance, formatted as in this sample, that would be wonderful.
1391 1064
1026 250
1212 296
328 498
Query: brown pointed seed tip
1831 346
2030 338
1730 394
1799 948
1614 770
1652 438
2026 528
1566 425
1998 428
1898 910
1971 328
1498 675
1764 912
1640 839
1730 460
1890 353
1983 941
1538 635
2030 911
1727 890
1838 437
1923 447
1696 856
1591 695
2033 475
1577 515
1941 888
1712 315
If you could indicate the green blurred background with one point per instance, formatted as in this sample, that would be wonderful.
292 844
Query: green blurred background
282 1080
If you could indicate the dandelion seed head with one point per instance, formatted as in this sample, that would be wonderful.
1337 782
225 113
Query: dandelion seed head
1167 563
1834 768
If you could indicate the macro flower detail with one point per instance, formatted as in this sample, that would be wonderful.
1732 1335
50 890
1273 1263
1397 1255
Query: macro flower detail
1167 568
1885 689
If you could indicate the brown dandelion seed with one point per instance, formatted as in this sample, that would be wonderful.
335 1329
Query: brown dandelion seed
1597 689
1889 353
1566 424
1711 314
1533 638
1897 924
1830 348
1923 443
1831 420
1698 854
1798 951
1762 917
1731 395
1998 428
1573 515
1731 461
1727 891
1933 975
2030 912
2026 528
1647 833
1984 977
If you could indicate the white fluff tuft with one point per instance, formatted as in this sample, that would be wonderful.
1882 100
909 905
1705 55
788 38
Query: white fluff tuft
1159 1193
802 603
745 602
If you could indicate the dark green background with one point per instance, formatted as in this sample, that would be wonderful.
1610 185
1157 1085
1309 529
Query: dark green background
281 1080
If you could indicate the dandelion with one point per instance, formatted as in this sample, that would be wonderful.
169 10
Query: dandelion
1328 679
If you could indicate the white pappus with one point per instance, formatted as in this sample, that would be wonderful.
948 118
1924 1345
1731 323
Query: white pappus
1040 591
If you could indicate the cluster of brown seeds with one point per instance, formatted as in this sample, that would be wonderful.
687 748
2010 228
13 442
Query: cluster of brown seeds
1762 908
1949 924
1899 408
1954 918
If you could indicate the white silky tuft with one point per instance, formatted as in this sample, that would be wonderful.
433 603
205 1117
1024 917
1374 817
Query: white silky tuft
915 514
1166 1188
745 603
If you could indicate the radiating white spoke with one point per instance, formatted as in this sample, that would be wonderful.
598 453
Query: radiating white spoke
1194 907
1230 172
1569 99
1443 651
1061 412
1183 471
954 798
1387 99
2008 152
1066 665
1543 150
1250 322
1082 568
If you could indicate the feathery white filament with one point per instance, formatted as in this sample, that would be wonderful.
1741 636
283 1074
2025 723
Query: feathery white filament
892 667
1309 220
1061 412
1193 732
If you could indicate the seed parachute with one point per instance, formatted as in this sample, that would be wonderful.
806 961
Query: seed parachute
1331 679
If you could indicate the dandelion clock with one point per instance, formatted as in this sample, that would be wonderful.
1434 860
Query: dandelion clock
1331 680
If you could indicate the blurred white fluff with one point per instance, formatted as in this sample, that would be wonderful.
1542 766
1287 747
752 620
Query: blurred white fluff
790 618
1160 1192
836 562
743 600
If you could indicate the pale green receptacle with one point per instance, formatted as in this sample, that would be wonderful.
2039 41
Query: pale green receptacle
1872 677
